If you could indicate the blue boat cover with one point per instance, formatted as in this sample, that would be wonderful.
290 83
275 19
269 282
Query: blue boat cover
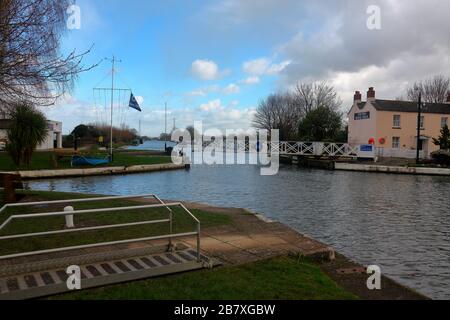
93 161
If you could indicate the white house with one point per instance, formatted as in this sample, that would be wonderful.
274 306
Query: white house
52 141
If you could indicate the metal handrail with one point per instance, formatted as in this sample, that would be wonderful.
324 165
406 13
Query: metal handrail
78 200
24 204
76 212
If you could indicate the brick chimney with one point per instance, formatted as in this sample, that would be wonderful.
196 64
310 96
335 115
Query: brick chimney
357 97
448 97
371 94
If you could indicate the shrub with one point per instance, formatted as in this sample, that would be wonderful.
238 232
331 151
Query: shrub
441 157
28 128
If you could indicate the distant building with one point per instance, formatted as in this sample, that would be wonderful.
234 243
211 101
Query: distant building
392 125
52 141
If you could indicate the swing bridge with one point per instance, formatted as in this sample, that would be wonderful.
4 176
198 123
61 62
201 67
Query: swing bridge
328 150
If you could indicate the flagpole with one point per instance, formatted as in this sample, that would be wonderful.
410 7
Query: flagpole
112 102
165 126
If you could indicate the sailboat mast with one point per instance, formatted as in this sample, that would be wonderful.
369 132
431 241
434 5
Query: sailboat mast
165 120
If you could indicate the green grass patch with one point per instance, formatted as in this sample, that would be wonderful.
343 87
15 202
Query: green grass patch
281 278
182 222
45 160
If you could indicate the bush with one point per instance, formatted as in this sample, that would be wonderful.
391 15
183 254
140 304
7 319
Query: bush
28 129
441 157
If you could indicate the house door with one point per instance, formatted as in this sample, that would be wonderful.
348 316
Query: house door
55 141
423 146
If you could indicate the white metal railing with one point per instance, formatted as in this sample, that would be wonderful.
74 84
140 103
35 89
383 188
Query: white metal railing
299 148
102 210
327 149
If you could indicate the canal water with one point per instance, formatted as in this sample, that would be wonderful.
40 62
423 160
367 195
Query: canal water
154 145
399 222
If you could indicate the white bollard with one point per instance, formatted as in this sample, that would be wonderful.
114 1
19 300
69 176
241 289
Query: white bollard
69 218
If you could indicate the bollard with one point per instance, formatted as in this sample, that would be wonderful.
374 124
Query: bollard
69 218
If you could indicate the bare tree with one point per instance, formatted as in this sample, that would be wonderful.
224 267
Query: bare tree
433 90
278 111
285 111
310 96
31 66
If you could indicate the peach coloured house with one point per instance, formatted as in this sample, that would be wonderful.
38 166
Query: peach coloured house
392 125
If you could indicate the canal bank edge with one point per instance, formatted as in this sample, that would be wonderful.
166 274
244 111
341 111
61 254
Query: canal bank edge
66 173
391 169
253 237
256 237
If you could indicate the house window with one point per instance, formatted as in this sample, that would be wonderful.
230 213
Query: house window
362 116
444 122
396 121
422 122
396 142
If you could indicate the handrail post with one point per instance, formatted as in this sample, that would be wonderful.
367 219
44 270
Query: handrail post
198 242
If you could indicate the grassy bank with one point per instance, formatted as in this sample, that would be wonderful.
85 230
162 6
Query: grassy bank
181 223
281 278
46 160
277 278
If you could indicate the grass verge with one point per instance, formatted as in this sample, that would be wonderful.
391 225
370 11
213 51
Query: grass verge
282 278
181 223
45 160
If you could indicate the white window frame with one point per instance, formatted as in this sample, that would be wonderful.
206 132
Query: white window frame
396 121
422 122
444 121
395 142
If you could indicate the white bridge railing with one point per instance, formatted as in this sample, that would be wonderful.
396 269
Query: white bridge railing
323 149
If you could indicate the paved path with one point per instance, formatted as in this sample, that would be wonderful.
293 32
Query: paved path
252 237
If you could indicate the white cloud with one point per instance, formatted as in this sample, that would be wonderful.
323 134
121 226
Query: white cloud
251 80
276 68
140 100
263 66
197 93
329 40
204 91
256 67
213 114
211 105
232 89
205 69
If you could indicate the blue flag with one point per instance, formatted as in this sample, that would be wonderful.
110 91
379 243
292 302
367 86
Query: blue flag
134 104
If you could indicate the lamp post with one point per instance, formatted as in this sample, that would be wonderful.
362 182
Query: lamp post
419 115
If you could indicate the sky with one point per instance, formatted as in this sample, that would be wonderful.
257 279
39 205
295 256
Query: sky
213 61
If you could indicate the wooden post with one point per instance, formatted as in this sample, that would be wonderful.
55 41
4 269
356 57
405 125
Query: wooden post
10 183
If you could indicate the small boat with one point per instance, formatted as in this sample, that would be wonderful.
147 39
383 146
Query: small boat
88 160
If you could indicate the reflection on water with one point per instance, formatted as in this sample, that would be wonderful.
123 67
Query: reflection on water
398 222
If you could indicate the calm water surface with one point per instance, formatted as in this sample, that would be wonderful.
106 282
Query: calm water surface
399 222
155 145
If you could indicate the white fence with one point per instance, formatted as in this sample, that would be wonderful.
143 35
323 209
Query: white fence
399 153
295 148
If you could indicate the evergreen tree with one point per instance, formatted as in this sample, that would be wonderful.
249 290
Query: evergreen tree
444 139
